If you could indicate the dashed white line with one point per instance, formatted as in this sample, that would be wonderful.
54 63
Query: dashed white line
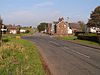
79 53
54 43
72 50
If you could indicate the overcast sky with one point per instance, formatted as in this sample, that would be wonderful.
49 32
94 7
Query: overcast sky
32 12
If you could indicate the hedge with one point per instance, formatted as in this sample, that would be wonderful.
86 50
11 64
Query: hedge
89 38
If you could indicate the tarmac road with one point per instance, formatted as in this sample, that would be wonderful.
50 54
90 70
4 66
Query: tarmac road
66 58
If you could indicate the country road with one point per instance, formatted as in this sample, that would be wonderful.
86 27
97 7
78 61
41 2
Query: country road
66 58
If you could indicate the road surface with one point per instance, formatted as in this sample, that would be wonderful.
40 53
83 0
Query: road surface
66 58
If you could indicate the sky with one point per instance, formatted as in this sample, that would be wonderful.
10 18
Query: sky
33 12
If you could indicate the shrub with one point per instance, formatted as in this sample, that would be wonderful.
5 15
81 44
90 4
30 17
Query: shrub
5 40
94 38
77 33
27 31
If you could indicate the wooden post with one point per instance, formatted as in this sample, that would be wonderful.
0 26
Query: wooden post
0 31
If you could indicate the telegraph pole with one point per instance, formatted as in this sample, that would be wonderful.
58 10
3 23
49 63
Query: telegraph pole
0 31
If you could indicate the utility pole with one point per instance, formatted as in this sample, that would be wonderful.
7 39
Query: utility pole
0 31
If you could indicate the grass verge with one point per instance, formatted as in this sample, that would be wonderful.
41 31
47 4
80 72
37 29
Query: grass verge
20 57
74 39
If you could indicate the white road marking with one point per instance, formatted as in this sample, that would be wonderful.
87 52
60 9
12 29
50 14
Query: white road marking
51 36
82 54
79 53
72 50
54 43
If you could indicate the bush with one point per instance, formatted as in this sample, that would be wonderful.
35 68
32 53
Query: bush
27 31
98 37
77 33
94 38
5 40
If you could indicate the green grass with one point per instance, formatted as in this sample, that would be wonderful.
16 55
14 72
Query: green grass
71 37
87 42
74 39
20 57
30 29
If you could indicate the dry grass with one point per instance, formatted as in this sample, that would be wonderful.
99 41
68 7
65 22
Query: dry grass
20 57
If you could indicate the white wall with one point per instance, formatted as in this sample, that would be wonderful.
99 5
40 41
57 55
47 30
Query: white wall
3 29
22 31
70 31
13 31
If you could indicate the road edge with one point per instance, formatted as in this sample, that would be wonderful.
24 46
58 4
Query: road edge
44 62
84 44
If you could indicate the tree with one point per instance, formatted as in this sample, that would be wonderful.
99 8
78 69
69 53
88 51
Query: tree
94 20
27 31
42 26
82 25
18 29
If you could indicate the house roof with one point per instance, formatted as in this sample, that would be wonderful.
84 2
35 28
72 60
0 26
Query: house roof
74 25
11 27
61 20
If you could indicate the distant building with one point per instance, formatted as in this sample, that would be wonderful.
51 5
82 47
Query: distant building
22 30
75 27
62 27
4 29
93 29
12 29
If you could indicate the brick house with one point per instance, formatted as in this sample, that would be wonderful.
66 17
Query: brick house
61 27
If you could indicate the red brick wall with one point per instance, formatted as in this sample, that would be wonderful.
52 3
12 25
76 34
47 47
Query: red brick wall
61 28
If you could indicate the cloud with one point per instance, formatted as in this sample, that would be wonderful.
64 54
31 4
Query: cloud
43 4
19 17
33 15
29 17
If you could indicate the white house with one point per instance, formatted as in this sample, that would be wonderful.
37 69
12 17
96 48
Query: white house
93 29
3 29
22 30
13 31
